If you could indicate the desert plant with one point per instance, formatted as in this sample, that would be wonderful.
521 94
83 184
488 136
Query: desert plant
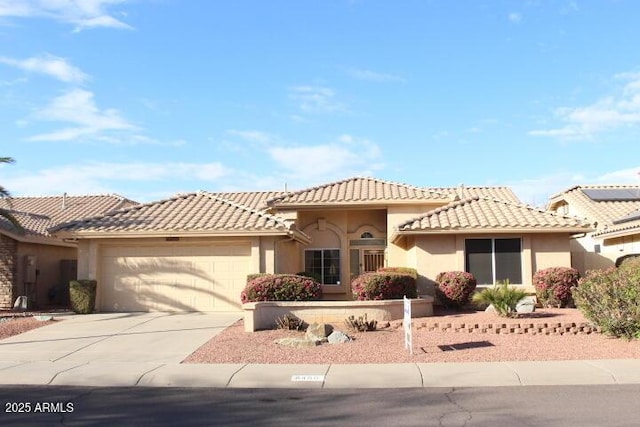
82 296
361 324
291 323
454 288
400 270
611 299
281 287
555 285
379 286
502 297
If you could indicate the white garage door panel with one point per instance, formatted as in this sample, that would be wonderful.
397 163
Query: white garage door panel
188 278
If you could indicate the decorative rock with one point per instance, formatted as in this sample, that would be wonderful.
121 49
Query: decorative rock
297 342
318 332
526 305
338 337
490 309
43 318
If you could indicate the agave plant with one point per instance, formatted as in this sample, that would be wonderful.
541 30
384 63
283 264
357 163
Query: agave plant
502 297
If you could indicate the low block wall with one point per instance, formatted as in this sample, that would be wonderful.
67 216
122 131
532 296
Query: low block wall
263 314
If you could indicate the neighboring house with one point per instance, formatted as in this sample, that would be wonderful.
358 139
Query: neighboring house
194 251
33 263
615 212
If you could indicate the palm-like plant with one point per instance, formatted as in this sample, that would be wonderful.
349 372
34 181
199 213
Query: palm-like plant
4 194
502 297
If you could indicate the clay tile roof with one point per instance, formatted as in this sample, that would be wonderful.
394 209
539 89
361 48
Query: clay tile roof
358 190
481 214
606 213
38 214
465 192
200 212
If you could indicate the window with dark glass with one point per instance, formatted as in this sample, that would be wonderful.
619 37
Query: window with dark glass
493 260
325 263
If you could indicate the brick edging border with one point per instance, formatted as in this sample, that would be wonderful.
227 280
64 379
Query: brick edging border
503 328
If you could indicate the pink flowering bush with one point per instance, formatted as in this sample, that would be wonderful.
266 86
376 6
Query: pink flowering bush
379 286
454 288
281 287
555 285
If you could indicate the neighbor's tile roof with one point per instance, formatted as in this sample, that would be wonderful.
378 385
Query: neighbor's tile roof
482 214
251 199
357 191
38 214
187 213
603 212
465 192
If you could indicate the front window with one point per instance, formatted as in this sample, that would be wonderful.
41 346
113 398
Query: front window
493 260
325 263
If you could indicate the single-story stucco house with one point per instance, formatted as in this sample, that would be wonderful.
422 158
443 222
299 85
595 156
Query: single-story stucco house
34 263
615 212
193 252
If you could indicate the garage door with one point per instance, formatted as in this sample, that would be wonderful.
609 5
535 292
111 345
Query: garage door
176 278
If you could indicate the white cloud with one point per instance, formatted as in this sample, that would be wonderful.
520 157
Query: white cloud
374 76
101 178
81 13
515 17
251 135
316 99
78 108
49 65
619 110
346 156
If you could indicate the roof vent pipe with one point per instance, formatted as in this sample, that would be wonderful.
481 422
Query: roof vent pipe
64 201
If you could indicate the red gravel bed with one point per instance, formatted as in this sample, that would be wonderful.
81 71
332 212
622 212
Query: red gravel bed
14 325
233 345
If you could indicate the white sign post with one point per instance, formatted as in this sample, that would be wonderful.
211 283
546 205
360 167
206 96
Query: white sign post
406 322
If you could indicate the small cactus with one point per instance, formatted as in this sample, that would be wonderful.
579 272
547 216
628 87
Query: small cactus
291 323
361 324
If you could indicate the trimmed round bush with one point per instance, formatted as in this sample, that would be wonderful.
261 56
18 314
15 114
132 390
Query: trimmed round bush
611 299
379 286
82 296
454 288
281 287
555 285
400 270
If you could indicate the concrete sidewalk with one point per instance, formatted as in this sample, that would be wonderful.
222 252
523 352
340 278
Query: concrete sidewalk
489 374
145 349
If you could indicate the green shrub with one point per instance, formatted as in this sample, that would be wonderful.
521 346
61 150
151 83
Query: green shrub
555 285
454 288
379 286
400 270
252 276
502 297
315 276
611 299
281 287
82 296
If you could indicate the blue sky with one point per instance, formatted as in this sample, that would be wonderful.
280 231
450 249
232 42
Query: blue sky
148 98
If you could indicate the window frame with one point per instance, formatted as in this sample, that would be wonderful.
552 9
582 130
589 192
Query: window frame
494 272
322 266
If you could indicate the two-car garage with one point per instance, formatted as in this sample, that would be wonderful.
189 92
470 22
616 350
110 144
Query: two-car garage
173 277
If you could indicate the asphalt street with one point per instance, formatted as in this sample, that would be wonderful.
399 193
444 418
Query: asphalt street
585 406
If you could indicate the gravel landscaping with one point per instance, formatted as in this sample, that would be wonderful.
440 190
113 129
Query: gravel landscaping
16 324
430 344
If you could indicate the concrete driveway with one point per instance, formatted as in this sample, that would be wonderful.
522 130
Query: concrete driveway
116 337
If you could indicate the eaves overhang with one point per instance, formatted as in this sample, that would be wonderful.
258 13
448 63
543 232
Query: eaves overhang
398 235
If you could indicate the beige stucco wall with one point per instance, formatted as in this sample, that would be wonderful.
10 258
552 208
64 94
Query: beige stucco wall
396 254
436 253
48 259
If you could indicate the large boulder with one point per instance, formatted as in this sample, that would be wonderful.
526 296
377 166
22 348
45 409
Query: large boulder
318 332
338 337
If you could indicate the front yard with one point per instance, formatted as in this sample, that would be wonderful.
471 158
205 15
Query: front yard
431 344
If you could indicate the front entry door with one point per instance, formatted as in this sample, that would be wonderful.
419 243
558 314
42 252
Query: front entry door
366 260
